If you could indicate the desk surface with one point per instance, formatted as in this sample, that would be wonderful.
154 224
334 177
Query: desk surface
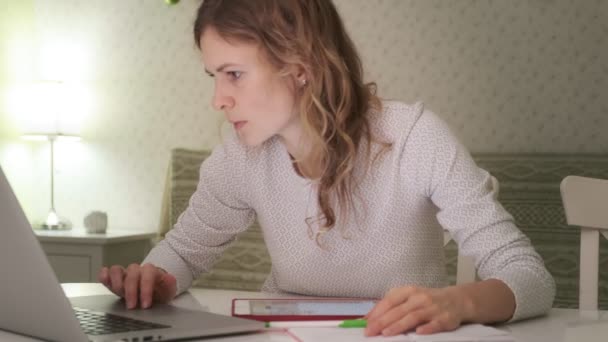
565 325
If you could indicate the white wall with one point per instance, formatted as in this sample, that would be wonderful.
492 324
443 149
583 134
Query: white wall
508 76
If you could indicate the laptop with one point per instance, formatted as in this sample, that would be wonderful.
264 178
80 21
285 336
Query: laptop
33 303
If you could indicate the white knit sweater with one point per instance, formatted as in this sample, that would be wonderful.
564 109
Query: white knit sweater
426 182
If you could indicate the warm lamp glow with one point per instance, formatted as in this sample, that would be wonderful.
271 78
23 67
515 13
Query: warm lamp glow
35 137
57 137
37 106
49 107
52 220
19 56
68 138
63 56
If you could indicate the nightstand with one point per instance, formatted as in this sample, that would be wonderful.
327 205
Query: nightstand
77 256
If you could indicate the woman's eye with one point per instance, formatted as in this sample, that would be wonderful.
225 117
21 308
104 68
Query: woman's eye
235 75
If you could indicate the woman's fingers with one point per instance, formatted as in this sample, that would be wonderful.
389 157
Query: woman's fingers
410 321
147 285
139 285
156 285
410 307
394 297
430 328
166 288
131 286
104 276
116 280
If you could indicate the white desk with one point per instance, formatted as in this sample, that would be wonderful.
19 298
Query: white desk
561 325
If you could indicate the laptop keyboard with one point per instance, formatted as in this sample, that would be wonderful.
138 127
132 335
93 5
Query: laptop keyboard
101 323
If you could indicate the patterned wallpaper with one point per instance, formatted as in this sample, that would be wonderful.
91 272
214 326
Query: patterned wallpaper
508 76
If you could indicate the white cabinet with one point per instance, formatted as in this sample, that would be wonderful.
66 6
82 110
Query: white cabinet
77 256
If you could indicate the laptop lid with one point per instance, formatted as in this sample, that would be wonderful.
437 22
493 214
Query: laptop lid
34 304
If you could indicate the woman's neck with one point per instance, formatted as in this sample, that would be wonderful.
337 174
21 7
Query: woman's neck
304 160
293 138
299 150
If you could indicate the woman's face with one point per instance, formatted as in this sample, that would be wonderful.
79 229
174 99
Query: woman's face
257 101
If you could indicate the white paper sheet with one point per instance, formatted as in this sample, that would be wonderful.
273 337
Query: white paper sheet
341 335
468 333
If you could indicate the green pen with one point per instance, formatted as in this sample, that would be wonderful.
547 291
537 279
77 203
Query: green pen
354 323
349 323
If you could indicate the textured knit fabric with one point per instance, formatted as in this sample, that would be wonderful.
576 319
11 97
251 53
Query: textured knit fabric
393 236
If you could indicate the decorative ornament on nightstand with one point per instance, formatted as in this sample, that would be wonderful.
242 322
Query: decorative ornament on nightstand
96 222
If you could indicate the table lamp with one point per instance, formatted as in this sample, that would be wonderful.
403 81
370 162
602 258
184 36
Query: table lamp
46 126
52 220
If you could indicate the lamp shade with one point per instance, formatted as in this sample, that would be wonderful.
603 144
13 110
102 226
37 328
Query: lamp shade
48 108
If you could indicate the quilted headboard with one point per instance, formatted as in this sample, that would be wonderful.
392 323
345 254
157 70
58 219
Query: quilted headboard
529 190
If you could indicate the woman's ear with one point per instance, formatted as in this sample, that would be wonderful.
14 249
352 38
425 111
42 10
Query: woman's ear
299 76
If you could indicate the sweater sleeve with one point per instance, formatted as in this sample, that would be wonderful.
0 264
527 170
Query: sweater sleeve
479 224
215 214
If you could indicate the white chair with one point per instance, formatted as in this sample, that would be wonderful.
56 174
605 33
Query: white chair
585 203
465 267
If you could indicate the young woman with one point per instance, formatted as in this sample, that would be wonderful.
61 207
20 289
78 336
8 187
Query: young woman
352 193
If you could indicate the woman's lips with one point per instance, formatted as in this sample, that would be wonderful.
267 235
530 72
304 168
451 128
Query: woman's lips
239 124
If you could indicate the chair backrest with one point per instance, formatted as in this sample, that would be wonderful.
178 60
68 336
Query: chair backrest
585 203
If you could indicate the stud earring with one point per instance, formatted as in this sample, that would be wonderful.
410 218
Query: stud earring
303 82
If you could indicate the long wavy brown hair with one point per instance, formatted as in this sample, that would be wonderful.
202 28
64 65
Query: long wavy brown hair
334 105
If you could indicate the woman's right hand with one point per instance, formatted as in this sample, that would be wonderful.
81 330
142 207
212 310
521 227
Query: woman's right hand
139 285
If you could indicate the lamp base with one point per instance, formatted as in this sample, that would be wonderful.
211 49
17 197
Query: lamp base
53 222
58 226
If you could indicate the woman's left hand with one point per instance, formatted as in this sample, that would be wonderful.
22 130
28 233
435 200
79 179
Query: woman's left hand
424 310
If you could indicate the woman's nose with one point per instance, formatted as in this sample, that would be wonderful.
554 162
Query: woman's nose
221 101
